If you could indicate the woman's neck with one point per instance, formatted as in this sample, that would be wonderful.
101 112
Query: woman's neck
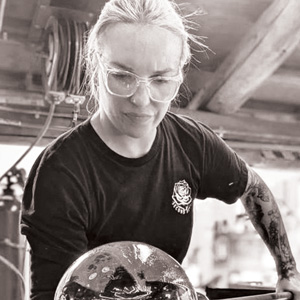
122 144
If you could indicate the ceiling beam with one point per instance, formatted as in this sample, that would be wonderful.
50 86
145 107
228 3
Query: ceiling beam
284 160
264 48
281 87
248 129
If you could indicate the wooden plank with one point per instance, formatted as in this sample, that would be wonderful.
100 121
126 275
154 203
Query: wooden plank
272 107
293 60
248 129
224 24
247 146
273 116
270 41
282 86
249 10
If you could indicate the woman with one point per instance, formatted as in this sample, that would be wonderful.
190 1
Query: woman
132 170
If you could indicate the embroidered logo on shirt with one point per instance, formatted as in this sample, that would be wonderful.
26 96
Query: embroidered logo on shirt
182 200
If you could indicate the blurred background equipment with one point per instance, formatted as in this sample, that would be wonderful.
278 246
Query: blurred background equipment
12 246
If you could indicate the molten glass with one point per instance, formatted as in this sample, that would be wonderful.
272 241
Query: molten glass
125 270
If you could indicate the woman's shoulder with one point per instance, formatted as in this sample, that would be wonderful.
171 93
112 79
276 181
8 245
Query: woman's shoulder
189 132
68 144
181 122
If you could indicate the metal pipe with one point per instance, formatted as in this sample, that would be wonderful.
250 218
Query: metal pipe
37 139
2 9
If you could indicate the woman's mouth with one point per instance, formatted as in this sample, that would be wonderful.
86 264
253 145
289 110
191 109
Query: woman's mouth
138 117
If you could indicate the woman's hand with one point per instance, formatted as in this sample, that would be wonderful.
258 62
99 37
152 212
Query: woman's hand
292 284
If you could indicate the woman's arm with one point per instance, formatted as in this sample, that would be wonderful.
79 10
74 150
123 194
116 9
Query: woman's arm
264 214
54 220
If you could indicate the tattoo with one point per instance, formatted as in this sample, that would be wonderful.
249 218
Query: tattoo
286 261
265 216
257 190
274 229
256 215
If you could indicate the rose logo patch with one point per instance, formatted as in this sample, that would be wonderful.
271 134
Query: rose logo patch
182 199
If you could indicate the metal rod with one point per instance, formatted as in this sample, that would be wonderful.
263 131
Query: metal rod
269 296
2 9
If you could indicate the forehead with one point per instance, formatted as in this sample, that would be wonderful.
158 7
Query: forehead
141 47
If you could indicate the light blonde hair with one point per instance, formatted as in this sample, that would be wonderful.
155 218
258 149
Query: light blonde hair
162 13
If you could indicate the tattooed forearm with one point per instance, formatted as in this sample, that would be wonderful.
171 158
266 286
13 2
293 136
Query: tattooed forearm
265 216
256 214
256 189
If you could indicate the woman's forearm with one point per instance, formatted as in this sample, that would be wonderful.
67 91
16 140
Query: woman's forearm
264 214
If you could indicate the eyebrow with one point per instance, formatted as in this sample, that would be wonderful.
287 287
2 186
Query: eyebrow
129 69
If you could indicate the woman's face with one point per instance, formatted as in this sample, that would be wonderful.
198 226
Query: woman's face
146 51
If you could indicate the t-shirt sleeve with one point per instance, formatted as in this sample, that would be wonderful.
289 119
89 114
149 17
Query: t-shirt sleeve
224 174
54 220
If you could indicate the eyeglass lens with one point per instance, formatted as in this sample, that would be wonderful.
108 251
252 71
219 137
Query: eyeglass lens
125 84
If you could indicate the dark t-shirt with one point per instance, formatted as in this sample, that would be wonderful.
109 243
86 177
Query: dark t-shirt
80 194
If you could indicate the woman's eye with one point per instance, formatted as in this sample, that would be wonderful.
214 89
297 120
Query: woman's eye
122 76
160 81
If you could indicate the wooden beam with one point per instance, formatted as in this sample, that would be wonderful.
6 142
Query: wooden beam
275 108
273 116
282 87
248 129
269 42
271 159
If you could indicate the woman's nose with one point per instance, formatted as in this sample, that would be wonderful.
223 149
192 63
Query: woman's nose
141 96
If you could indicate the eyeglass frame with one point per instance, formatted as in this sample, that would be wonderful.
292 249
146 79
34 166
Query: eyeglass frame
178 78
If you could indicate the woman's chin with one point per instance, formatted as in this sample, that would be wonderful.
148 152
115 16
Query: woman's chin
141 133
